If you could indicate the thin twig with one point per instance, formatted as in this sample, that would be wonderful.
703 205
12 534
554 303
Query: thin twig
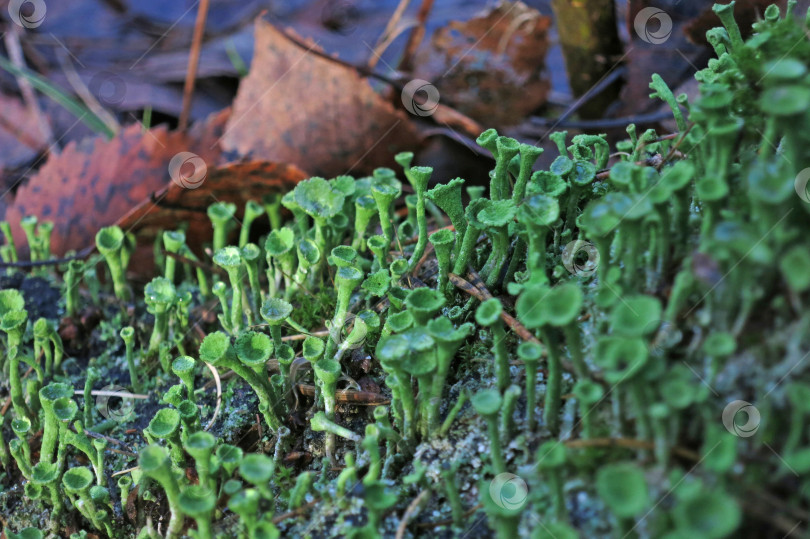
389 33
428 252
302 336
219 395
483 295
417 34
122 472
84 253
122 394
193 62
412 510
85 94
111 440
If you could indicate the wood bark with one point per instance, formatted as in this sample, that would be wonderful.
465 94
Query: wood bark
589 37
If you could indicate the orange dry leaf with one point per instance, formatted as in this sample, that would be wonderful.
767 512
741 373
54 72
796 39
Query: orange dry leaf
491 67
296 107
92 183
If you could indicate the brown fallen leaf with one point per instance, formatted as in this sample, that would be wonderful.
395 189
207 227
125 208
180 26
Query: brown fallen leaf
233 182
490 67
296 107
94 182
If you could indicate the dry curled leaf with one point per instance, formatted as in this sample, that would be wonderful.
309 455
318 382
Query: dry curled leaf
491 67
92 183
299 108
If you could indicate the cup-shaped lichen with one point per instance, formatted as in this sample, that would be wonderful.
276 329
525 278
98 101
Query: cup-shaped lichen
110 243
448 197
198 502
183 368
385 189
423 303
275 312
281 258
245 503
538 213
165 425
254 349
487 403
48 396
251 255
550 460
328 372
530 352
419 178
154 462
46 476
528 155
346 280
636 316
216 349
364 211
624 490
200 446
258 469
228 458
159 295
342 256
488 315
442 241
711 513
449 339
546 309
495 217
313 349
320 201
221 215
173 242
507 148
230 259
